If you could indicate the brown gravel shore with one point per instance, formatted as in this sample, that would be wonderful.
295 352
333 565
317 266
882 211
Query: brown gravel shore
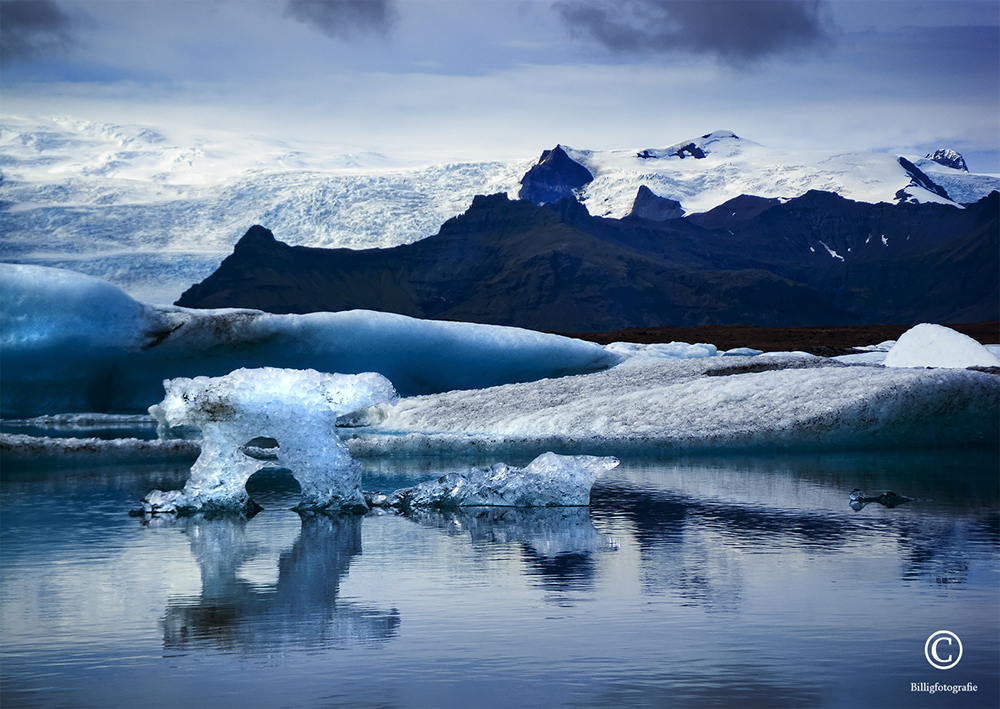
818 340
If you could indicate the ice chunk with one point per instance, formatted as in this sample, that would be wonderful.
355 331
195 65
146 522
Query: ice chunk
656 406
18 450
859 499
296 408
550 480
928 345
664 350
871 357
71 343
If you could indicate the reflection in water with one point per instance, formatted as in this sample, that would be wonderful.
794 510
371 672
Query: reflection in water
297 608
557 543
692 544
736 581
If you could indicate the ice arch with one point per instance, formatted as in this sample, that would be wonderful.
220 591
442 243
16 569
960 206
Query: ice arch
296 408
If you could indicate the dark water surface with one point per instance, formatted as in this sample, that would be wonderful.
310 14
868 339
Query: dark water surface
737 581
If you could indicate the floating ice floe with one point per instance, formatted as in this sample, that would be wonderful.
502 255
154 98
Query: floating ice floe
72 343
550 480
664 350
928 345
298 409
653 406
19 449
742 352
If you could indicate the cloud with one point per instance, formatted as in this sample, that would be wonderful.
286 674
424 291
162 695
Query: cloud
344 19
737 32
33 28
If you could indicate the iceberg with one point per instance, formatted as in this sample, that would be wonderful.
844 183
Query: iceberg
548 481
654 406
928 345
664 350
73 343
297 409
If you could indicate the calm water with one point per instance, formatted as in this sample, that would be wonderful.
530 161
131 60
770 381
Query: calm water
699 582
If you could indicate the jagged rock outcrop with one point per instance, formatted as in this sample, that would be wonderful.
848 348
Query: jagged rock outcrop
949 158
554 177
920 180
651 206
818 259
688 149
698 148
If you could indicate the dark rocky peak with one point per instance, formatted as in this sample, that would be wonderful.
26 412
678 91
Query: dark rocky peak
651 206
489 201
738 209
688 149
949 158
494 213
555 176
569 209
257 237
918 179
821 199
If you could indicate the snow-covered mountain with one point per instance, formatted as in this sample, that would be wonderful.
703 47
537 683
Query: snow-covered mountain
705 172
155 213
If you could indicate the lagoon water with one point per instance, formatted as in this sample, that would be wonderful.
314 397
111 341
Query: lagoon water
730 581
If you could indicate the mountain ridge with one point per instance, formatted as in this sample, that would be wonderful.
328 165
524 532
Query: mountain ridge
154 212
818 259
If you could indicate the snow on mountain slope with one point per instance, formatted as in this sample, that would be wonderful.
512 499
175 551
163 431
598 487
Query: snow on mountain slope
155 213
126 204
703 173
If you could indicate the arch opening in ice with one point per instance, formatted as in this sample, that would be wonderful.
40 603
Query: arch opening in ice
274 488
296 409
261 448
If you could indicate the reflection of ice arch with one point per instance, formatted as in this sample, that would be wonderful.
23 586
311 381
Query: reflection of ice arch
296 408
299 608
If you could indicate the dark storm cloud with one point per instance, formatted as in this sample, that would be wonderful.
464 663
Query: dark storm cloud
736 31
344 19
33 28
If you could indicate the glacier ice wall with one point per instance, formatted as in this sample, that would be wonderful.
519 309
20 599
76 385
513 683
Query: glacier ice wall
296 408
72 343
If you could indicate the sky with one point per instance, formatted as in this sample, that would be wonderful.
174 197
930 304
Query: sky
482 79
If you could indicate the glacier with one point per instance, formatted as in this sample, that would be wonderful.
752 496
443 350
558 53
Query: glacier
154 214
73 343
298 409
